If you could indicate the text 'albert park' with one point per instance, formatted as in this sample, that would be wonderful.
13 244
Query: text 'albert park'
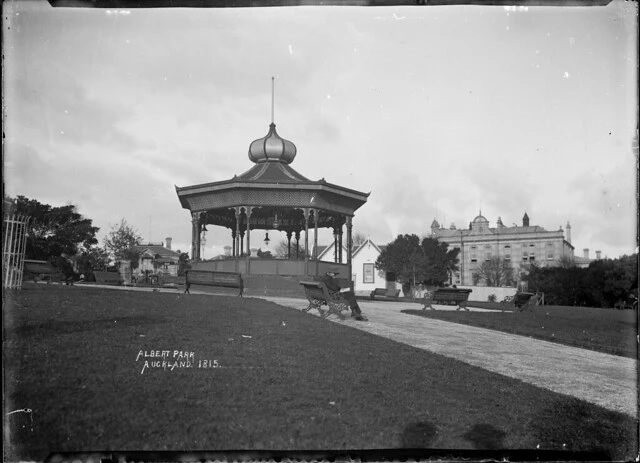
169 360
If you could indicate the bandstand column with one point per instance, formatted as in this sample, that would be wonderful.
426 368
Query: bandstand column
248 230
315 238
340 244
306 241
335 244
195 236
349 250
233 242
297 244
236 246
289 233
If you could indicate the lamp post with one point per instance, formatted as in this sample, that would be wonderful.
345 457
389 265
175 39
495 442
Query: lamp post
203 240
461 260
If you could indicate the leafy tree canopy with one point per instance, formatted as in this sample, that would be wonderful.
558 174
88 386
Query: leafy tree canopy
54 231
120 241
412 261
184 262
602 284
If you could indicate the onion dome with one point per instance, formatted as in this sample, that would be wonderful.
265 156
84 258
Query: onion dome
272 147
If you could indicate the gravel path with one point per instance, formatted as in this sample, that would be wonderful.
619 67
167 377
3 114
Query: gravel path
606 380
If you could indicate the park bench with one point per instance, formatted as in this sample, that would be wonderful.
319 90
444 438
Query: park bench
527 301
386 293
211 278
42 270
108 278
318 295
459 296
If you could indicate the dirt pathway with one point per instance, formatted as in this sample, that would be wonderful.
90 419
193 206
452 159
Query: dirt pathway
606 380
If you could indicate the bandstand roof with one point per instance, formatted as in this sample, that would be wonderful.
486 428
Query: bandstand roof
270 184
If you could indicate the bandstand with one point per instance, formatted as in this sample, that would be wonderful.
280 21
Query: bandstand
272 197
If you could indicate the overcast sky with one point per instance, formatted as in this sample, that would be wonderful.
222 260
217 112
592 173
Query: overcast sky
437 111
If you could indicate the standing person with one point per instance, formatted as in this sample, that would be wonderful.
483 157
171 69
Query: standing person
332 285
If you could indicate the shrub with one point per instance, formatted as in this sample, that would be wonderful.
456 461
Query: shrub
492 298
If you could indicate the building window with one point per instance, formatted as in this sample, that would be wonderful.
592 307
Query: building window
532 252
507 252
550 254
474 254
368 275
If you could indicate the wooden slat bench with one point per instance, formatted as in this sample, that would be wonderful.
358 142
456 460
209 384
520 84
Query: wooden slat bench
42 270
527 301
108 278
446 295
385 293
318 295
211 278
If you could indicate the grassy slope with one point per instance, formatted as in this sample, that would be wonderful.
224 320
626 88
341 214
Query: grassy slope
70 356
610 331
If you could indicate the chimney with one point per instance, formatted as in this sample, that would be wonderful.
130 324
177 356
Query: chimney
586 253
227 250
568 232
168 245
598 255
525 220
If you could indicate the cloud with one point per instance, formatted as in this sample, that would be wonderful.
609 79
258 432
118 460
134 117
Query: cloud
53 105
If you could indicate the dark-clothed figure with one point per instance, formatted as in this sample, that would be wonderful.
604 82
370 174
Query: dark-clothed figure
332 285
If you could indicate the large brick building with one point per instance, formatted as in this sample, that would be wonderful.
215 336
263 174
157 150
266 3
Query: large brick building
520 245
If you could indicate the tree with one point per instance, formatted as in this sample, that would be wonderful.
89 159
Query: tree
401 257
496 272
413 262
281 250
264 254
440 261
92 260
358 238
120 242
184 262
53 231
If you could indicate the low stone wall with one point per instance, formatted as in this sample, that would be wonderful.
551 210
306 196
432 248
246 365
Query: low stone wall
482 293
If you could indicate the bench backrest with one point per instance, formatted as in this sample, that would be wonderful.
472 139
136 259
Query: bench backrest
208 278
37 267
108 277
316 290
451 294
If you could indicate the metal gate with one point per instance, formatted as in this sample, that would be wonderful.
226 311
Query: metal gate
14 243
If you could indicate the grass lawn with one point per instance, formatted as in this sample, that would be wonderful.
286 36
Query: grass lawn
610 331
284 380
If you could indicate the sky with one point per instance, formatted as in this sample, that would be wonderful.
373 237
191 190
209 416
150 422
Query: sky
439 112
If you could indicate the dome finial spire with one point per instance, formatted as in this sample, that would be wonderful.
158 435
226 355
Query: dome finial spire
273 92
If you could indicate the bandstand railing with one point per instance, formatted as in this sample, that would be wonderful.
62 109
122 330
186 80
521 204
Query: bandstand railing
272 266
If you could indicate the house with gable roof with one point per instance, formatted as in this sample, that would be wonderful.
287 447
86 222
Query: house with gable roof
157 258
364 275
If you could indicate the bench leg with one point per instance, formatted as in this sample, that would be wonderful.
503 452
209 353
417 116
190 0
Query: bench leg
313 304
337 308
427 305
